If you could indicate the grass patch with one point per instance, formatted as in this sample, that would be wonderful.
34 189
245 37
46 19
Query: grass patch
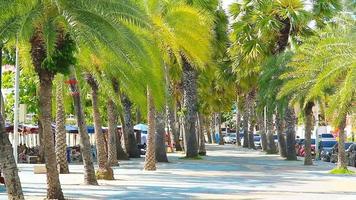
194 158
341 171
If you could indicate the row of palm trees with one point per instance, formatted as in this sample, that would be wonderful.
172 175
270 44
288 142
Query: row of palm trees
178 62
287 55
121 50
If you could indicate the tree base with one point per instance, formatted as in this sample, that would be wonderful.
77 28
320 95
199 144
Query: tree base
203 153
105 174
342 170
271 152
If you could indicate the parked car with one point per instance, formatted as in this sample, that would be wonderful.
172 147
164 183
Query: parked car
257 141
325 148
335 150
230 138
327 137
301 151
351 155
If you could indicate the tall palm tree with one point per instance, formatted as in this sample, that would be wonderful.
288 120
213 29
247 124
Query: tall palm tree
61 144
85 147
150 160
112 133
160 138
8 165
173 23
104 171
325 66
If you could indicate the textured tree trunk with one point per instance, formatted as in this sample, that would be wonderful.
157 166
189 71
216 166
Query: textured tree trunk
271 145
290 120
38 55
121 154
130 140
41 146
202 150
85 148
245 116
251 105
281 139
263 133
104 171
150 160
308 111
190 108
208 129
61 145
221 137
213 127
112 133
341 162
54 190
160 138
238 122
173 127
8 165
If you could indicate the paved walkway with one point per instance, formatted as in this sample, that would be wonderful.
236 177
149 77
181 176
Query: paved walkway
227 172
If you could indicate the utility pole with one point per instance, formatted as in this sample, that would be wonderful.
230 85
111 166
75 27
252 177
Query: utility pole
16 106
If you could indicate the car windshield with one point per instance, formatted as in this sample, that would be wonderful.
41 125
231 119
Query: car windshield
275 137
347 145
328 143
232 134
327 135
257 138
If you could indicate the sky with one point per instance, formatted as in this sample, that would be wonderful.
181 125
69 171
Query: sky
226 3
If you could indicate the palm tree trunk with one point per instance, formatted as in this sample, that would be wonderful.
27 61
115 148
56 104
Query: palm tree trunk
8 165
213 127
342 163
202 150
112 133
54 190
172 122
308 111
190 107
290 120
251 105
61 145
150 160
160 138
85 148
221 137
281 138
238 122
128 133
245 116
271 145
104 171
263 133
121 154
207 127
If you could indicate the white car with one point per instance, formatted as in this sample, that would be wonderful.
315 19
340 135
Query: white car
230 138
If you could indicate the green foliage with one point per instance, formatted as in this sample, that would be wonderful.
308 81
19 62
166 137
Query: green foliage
343 171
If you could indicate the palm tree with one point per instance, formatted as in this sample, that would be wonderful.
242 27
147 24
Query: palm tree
200 126
8 165
61 144
150 160
104 171
112 133
48 26
324 66
128 131
174 23
85 148
160 138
